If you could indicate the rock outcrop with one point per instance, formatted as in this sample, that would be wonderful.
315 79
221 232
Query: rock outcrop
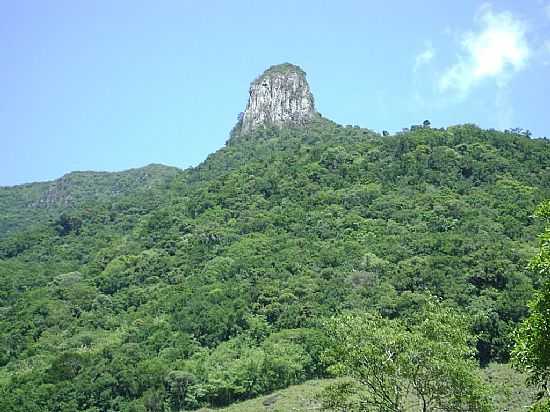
279 97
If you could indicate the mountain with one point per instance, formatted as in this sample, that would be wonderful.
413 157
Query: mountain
279 97
34 202
183 289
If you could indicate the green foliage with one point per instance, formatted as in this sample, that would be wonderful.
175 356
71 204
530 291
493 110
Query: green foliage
66 224
541 406
283 68
32 203
532 350
158 289
424 363
509 390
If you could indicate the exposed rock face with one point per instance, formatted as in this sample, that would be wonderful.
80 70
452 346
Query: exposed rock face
279 97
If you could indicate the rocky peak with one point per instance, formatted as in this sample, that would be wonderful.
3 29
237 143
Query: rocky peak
279 97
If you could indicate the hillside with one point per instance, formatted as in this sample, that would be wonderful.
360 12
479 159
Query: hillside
32 203
509 394
299 246
213 289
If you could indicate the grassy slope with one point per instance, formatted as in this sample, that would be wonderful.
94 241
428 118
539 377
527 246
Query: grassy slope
297 398
510 394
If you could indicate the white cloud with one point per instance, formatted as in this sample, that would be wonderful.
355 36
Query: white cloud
496 51
424 57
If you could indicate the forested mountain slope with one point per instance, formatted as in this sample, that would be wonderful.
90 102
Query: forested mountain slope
28 204
213 288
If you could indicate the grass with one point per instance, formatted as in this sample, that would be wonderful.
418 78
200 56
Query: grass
510 394
297 398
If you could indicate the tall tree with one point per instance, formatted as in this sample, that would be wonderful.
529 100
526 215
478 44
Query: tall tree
423 364
532 350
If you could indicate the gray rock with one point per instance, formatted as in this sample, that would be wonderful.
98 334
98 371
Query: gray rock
279 97
271 400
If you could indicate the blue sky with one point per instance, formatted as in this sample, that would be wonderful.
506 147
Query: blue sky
110 85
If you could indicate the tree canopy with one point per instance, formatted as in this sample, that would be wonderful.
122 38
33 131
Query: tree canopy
212 284
532 350
422 363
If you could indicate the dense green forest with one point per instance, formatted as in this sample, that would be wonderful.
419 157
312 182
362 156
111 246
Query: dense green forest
204 287
31 203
